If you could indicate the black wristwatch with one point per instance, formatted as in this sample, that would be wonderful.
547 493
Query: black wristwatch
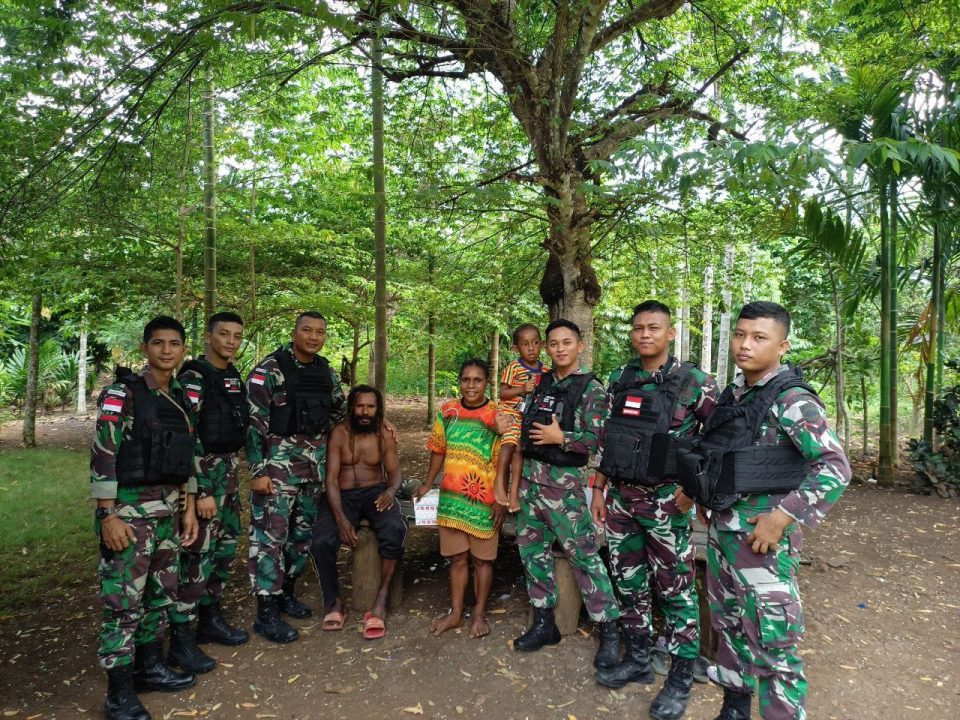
102 513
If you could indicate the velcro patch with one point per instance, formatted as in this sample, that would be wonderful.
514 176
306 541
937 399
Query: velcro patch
232 385
631 405
111 404
118 393
109 418
258 377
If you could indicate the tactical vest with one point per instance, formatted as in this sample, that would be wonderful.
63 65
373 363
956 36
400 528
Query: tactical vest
159 449
637 447
309 397
726 462
552 397
224 416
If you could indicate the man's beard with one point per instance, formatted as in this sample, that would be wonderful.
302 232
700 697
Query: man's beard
359 428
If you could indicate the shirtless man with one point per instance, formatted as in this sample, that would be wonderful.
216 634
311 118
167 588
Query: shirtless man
363 476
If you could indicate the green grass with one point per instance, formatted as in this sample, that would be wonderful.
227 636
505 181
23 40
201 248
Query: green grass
46 527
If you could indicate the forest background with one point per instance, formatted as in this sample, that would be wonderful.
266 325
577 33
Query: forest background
431 174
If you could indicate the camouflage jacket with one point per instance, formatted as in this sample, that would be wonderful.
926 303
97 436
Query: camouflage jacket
296 459
588 424
216 472
796 417
114 422
694 405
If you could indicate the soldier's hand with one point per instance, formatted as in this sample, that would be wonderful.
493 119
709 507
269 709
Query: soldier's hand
190 529
551 434
683 502
206 507
392 429
116 534
767 530
262 485
385 500
598 508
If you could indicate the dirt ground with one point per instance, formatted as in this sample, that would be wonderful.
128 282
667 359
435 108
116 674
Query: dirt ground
880 592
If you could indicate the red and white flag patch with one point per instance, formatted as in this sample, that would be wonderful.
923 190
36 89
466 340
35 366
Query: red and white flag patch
194 394
232 385
258 377
631 405
110 408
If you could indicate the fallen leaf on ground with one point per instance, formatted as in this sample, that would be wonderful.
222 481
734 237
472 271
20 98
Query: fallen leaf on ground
414 710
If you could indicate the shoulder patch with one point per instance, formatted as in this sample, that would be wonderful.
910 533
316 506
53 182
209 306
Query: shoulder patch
258 376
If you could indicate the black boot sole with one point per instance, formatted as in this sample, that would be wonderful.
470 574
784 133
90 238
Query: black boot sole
192 669
142 687
617 683
279 640
534 648
298 615
204 639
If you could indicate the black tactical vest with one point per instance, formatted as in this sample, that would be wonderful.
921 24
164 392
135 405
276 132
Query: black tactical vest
224 416
309 397
552 397
159 449
637 447
726 462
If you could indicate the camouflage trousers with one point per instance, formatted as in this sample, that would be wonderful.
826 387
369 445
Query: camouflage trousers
281 532
653 555
755 608
137 586
206 566
549 514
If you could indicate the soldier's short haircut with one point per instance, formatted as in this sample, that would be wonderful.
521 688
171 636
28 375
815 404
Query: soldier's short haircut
163 322
223 317
312 314
521 329
563 323
650 306
475 362
766 309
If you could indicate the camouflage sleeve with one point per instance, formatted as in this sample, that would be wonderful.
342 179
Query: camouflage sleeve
588 421
192 383
260 387
114 415
803 419
338 409
706 395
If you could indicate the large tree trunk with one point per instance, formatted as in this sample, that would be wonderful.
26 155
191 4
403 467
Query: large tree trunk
82 366
723 338
209 202
379 221
706 341
31 400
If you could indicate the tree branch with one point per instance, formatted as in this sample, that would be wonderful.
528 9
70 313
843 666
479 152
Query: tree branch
650 10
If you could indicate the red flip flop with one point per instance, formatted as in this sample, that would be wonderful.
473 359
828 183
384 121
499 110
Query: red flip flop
333 621
373 627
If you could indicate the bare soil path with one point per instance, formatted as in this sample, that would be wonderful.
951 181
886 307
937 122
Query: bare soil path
881 595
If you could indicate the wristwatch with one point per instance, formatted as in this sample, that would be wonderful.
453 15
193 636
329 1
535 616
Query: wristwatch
102 513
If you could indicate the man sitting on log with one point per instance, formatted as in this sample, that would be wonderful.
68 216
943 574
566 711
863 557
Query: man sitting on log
363 476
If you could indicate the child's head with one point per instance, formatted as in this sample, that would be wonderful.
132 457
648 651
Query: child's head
564 344
474 376
526 343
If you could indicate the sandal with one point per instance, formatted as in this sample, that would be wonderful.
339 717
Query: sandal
373 627
333 621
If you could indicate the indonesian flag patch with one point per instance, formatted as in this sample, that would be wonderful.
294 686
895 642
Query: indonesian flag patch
232 385
631 405
110 408
258 377
193 392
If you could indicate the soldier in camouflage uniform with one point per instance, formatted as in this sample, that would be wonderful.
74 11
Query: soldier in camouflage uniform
754 545
562 420
138 485
217 394
291 413
648 518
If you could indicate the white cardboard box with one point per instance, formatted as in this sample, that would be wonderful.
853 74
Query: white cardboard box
425 509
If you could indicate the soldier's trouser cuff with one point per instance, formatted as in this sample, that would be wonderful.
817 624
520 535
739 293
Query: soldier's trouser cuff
109 662
606 615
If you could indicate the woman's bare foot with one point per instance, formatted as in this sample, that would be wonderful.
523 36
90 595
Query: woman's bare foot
450 621
479 626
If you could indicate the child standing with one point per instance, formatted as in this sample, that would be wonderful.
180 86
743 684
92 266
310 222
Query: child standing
464 444
518 380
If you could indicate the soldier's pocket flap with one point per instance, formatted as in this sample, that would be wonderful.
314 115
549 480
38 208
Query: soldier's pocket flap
779 614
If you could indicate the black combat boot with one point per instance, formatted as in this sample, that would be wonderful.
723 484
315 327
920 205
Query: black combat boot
212 626
269 623
671 702
543 631
635 666
122 701
184 652
736 706
608 653
290 605
150 672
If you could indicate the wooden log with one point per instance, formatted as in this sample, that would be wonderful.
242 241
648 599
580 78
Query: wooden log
366 574
567 612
